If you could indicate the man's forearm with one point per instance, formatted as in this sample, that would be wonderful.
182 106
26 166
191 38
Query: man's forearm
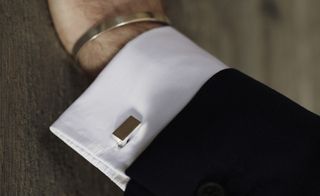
73 18
96 54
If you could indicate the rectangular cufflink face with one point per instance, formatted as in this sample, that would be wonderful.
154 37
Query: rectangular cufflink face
122 133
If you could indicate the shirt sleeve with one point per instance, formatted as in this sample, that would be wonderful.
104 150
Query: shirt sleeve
152 79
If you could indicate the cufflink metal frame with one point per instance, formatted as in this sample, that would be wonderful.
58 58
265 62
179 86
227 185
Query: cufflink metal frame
123 133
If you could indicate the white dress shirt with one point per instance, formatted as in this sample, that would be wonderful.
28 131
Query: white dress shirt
152 78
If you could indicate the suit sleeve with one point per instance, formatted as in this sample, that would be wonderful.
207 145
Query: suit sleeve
235 137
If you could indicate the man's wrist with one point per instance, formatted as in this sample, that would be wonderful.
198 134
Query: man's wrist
95 55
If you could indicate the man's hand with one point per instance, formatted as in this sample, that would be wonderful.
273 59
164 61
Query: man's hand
74 17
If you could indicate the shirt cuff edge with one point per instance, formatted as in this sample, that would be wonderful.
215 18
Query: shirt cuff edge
119 179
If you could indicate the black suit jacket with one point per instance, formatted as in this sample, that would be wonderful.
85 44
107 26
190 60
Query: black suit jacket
235 137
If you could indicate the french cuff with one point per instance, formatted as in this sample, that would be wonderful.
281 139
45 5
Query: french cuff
150 80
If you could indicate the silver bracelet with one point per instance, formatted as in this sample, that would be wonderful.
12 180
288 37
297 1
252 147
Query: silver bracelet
114 23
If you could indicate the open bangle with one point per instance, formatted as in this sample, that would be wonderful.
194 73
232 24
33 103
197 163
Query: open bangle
114 23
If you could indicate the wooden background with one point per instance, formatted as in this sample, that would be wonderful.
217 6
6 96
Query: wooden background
274 41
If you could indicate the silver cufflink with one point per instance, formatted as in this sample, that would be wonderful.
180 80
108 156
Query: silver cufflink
124 131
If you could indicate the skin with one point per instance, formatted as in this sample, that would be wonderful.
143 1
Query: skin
74 17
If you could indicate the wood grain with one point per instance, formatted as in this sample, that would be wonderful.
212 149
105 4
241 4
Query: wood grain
274 41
